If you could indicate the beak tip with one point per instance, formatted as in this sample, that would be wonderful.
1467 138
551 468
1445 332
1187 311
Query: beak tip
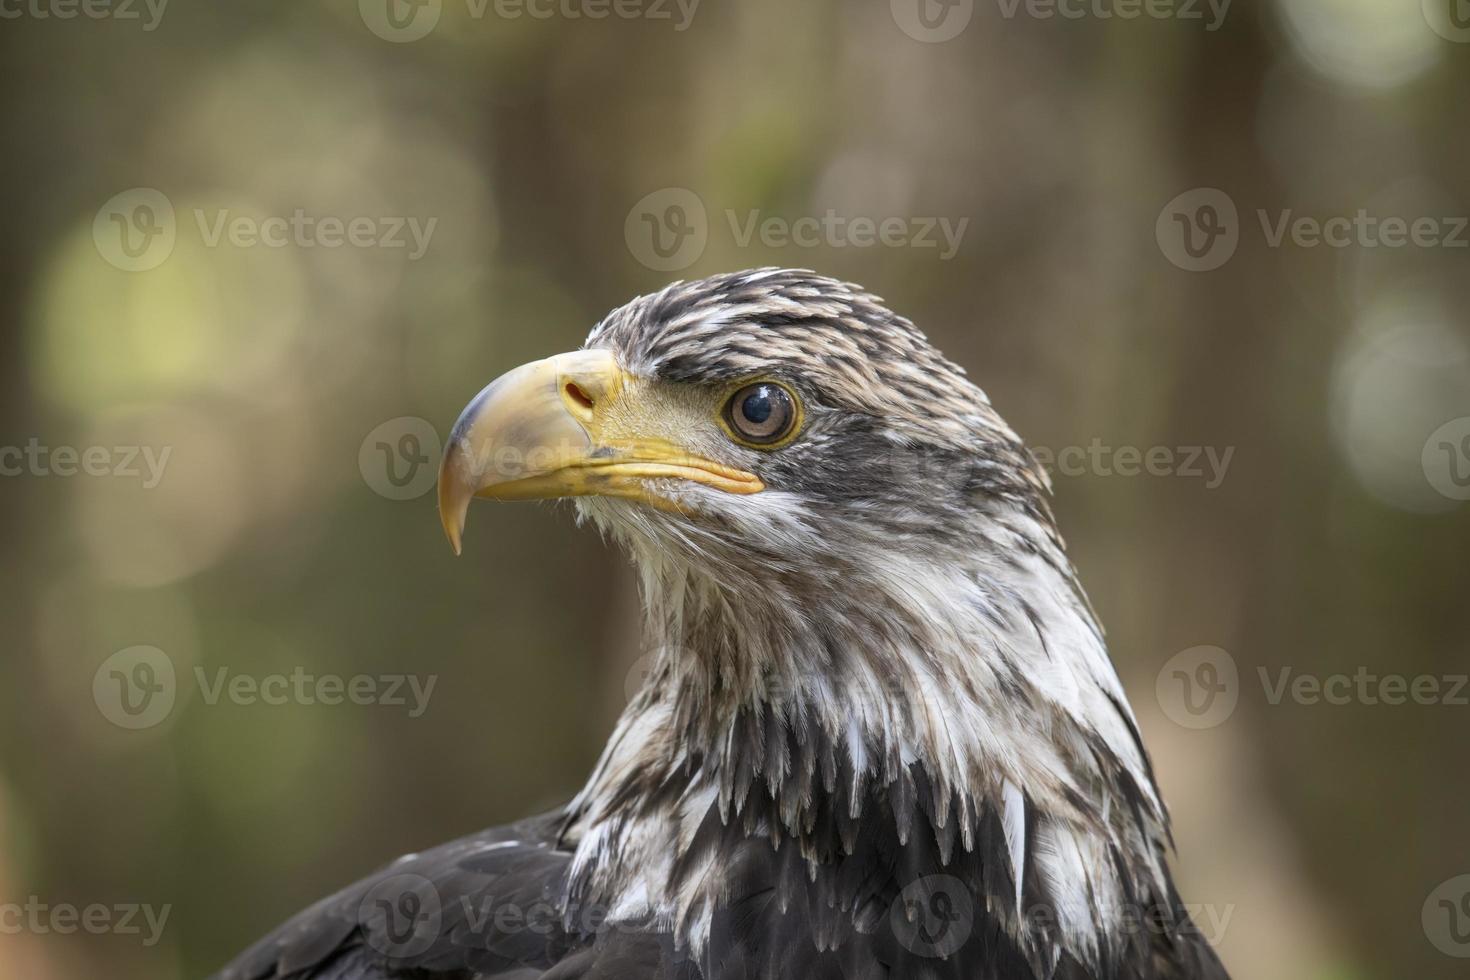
454 505
453 520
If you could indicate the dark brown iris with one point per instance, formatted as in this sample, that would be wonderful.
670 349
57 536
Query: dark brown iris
762 413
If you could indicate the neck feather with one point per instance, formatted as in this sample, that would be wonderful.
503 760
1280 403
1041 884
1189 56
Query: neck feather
958 715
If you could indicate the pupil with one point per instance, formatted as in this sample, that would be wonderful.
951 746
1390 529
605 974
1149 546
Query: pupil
758 407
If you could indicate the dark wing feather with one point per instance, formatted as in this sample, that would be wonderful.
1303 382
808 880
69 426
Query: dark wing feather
442 913
490 907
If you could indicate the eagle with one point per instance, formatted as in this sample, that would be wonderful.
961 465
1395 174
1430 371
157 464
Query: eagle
880 738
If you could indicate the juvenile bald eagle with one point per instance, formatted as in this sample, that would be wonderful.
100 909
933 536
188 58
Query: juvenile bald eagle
881 737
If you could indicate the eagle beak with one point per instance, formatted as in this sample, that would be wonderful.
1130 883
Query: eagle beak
540 431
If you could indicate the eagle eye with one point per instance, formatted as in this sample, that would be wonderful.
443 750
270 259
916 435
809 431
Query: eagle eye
762 414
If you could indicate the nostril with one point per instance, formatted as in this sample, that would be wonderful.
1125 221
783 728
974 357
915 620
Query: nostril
578 396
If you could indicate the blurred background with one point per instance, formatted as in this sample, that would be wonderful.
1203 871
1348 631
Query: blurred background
256 257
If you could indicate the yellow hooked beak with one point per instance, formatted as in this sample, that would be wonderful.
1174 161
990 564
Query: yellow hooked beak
538 432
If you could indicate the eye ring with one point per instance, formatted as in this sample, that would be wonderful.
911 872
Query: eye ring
762 415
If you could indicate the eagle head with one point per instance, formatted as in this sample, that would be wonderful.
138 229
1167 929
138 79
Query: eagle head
779 434
872 663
